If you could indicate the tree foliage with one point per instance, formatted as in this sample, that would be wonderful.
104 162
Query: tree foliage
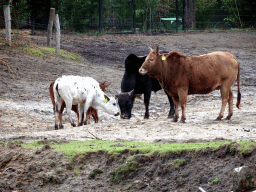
84 14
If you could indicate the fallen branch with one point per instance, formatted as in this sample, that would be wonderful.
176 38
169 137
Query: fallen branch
94 135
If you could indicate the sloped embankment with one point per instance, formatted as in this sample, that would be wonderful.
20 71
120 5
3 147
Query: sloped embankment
48 169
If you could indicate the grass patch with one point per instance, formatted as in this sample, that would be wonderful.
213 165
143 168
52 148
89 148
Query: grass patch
79 148
76 171
177 163
59 171
246 147
49 51
94 173
2 143
216 181
123 172
52 164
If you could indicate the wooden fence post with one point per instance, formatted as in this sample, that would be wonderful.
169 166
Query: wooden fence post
57 25
7 16
50 24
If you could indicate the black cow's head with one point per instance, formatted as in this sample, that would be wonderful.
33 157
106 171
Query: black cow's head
125 101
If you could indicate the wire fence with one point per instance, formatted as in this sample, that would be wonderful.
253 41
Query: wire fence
113 18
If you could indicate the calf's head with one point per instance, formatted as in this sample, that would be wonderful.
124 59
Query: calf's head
110 106
150 62
125 102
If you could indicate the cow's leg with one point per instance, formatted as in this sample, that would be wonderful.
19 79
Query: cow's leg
224 97
183 93
85 122
176 106
80 112
87 105
88 114
147 96
171 112
69 107
77 113
230 104
95 116
56 113
94 113
60 114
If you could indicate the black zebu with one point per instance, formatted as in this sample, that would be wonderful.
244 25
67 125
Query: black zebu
134 84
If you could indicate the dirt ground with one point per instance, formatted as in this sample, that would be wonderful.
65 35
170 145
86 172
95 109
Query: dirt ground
26 112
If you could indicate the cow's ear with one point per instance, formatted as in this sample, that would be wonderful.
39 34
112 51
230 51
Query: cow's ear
106 84
106 99
117 94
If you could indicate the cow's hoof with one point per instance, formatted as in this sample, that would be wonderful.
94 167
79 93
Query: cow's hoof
182 121
56 127
218 118
73 124
146 117
61 127
175 120
170 116
85 123
228 117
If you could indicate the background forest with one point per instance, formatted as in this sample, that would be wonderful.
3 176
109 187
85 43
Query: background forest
121 15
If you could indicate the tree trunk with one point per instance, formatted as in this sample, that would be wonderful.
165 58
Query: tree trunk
189 20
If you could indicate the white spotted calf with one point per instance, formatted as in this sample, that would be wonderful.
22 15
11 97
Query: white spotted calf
84 91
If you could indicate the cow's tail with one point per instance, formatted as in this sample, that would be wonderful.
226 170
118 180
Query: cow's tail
238 89
57 89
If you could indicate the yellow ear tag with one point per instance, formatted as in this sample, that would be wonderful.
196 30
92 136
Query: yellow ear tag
136 98
163 58
105 100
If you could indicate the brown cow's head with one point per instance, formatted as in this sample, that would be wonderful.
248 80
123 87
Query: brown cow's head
150 62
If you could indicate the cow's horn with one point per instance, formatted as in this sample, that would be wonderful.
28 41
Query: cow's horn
150 48
157 49
131 92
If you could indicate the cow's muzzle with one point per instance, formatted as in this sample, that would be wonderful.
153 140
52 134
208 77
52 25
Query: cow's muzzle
142 71
124 117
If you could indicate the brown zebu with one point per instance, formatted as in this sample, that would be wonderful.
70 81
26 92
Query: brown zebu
91 111
182 75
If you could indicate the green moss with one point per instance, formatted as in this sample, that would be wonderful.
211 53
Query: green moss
94 173
76 171
52 164
34 51
50 51
216 180
59 171
69 166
